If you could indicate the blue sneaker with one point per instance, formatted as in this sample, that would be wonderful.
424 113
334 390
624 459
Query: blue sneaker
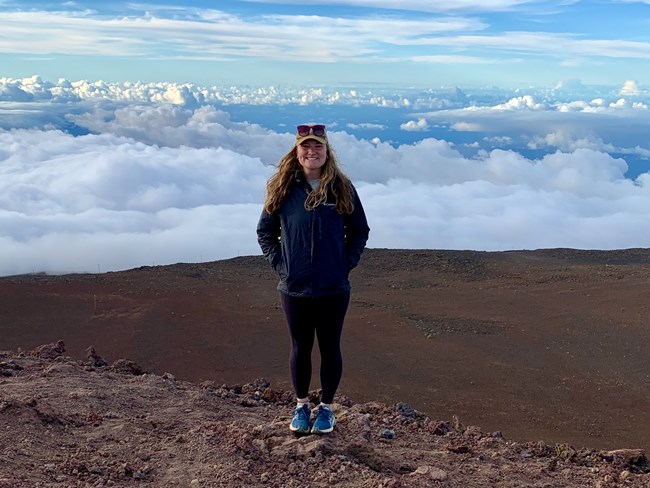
324 422
300 421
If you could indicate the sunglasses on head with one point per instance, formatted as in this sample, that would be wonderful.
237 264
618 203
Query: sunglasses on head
305 130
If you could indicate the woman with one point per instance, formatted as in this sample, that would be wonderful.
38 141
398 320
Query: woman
313 230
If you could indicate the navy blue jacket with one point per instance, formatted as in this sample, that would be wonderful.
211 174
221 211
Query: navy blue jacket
312 251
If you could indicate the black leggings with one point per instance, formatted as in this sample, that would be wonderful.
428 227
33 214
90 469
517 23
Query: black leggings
322 316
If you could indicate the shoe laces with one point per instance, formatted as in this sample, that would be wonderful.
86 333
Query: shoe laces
325 413
302 412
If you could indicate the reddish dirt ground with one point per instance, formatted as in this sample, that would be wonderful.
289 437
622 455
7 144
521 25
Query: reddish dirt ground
68 423
545 345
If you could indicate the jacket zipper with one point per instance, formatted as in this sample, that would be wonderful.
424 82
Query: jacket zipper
312 245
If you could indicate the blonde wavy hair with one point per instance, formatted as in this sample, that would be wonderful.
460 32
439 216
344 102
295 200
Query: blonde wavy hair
332 180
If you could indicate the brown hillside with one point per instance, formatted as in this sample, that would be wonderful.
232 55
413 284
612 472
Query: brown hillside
541 345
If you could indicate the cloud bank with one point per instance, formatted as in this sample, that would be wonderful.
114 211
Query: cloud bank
156 183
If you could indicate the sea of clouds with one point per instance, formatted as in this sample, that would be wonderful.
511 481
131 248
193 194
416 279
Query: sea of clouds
97 177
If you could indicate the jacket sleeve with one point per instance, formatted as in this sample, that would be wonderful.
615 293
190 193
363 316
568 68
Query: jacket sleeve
268 237
356 232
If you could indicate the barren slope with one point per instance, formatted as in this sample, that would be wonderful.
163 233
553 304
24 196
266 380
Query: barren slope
541 345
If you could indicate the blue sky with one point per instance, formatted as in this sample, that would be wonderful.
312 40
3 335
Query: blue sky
467 43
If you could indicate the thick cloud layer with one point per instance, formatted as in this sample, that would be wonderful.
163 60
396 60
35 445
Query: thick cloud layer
152 184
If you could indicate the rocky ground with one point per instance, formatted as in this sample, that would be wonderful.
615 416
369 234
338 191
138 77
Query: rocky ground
66 422
548 347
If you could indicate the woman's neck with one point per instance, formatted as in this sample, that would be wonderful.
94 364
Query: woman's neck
312 174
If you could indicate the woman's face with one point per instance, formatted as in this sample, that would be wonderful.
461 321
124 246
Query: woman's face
312 156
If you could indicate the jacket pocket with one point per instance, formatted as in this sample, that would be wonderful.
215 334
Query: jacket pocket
280 266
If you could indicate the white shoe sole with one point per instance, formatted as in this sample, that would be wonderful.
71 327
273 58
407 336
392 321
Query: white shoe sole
326 431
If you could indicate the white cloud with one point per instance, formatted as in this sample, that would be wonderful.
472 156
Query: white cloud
459 59
526 102
367 126
499 140
571 84
157 183
215 35
630 87
569 141
421 5
34 88
204 127
595 124
74 203
415 125
548 43
164 33
467 126
108 202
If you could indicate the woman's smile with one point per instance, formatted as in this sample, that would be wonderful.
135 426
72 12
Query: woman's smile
312 156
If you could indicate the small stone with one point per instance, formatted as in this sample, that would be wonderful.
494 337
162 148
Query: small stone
421 470
631 456
95 359
461 449
388 434
264 477
438 474
268 395
128 367
406 410
139 475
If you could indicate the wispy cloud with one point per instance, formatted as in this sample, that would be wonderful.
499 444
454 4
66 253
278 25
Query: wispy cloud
421 5
356 40
557 45
215 34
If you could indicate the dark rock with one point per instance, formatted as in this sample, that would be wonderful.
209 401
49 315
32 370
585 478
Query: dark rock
9 369
634 458
406 410
388 434
126 366
94 358
458 449
49 351
439 427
